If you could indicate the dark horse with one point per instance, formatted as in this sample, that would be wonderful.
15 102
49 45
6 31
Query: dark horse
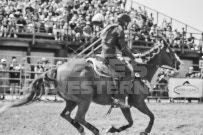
78 85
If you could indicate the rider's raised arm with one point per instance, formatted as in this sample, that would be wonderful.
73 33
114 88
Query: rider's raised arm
122 44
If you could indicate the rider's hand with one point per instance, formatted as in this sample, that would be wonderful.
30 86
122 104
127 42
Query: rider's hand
137 55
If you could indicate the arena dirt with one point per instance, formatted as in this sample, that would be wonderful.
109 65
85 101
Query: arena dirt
42 118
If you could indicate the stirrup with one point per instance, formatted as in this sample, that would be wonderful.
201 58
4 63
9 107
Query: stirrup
137 75
120 104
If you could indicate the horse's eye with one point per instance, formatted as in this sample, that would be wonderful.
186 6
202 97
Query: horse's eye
167 50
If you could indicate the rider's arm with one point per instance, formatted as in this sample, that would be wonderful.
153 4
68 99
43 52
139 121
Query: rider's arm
123 46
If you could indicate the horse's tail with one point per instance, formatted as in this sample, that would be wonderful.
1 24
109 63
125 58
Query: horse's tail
35 91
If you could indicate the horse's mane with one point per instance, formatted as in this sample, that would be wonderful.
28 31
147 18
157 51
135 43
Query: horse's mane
152 51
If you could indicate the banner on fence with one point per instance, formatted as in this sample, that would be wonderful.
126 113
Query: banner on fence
185 87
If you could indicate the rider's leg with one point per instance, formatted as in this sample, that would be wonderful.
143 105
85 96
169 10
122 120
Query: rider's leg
125 82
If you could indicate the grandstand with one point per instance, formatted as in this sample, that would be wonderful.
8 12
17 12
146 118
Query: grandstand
58 28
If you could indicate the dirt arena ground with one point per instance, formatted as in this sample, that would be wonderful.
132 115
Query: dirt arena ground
42 118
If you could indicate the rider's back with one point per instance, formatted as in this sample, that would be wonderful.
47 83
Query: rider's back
110 39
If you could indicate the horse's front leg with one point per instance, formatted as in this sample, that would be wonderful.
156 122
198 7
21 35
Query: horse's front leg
126 112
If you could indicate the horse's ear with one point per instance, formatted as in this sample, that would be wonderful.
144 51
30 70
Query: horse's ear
164 41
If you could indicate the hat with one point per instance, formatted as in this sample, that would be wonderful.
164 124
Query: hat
11 16
17 12
44 59
3 60
59 63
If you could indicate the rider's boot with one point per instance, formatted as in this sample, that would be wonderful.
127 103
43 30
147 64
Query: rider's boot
122 101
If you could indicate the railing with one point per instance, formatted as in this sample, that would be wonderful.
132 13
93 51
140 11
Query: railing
159 92
172 20
90 47
10 87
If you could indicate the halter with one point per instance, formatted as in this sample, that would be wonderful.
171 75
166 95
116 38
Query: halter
147 56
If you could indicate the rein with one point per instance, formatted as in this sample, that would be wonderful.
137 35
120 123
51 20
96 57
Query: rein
147 56
152 52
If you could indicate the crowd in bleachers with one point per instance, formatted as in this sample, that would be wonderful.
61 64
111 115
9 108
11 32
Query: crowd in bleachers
55 17
78 20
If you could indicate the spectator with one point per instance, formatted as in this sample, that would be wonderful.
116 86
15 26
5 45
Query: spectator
97 21
5 25
25 72
30 26
169 35
140 11
154 30
150 20
177 37
46 66
42 27
191 73
3 81
162 83
135 27
57 31
14 77
38 69
21 24
12 26
183 34
87 30
65 30
200 45
2 13
78 31
49 24
191 41
59 63
140 22
72 25
36 18
164 25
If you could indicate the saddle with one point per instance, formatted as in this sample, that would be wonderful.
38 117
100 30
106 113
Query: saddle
101 67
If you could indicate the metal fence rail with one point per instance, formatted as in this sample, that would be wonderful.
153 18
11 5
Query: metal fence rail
15 89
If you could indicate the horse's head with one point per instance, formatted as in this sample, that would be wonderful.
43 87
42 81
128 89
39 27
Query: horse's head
169 57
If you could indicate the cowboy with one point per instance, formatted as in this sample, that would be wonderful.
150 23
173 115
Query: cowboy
113 39
46 66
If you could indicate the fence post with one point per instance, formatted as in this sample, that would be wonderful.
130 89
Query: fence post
157 18
20 82
171 21
201 45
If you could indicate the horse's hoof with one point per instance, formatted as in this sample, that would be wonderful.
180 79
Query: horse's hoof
143 133
82 133
112 129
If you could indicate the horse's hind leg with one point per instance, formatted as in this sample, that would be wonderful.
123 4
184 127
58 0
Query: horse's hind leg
80 117
144 109
70 105
126 112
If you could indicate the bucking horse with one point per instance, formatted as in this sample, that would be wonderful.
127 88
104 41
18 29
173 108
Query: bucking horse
82 81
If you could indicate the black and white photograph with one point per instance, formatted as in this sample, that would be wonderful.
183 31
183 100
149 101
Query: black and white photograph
101 67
